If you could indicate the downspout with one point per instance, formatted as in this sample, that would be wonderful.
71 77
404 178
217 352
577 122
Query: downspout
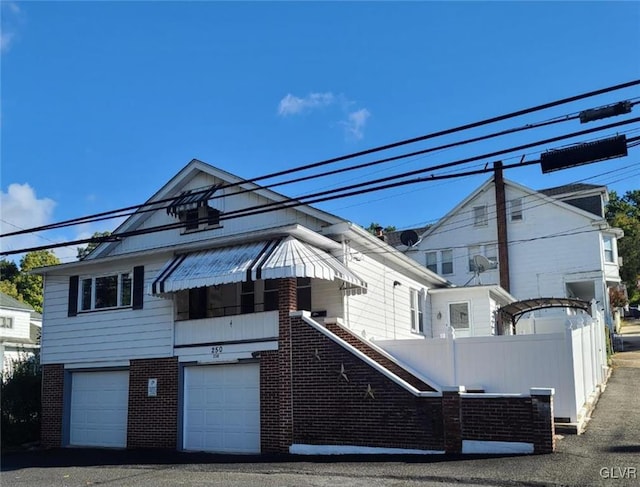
501 220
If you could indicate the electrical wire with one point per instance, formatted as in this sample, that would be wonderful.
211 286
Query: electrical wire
121 211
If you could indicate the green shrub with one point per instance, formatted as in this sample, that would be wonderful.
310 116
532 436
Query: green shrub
20 396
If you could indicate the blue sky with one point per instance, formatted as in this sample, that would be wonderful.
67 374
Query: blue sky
103 102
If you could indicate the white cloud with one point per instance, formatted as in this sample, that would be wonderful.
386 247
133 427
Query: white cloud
292 105
11 15
354 125
22 209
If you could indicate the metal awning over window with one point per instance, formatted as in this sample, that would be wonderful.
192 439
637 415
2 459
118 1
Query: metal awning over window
191 200
272 259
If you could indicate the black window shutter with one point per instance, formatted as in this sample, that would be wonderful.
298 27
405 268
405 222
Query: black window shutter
138 287
73 296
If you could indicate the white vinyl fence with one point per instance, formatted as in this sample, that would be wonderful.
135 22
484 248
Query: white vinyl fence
573 362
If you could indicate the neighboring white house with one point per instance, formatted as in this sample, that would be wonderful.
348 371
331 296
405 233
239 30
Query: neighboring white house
20 327
559 243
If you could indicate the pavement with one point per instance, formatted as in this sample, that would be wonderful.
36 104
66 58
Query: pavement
607 454
630 341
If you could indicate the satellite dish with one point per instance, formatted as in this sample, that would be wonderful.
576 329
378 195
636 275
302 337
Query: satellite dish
483 264
409 238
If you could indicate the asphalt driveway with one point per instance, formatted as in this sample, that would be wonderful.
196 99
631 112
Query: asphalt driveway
607 454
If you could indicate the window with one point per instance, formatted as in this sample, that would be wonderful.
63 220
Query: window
200 218
270 295
417 311
608 249
516 209
304 293
446 262
473 251
480 216
459 316
112 291
432 261
491 252
6 322
247 297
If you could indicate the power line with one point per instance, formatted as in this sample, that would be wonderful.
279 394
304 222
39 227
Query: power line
97 216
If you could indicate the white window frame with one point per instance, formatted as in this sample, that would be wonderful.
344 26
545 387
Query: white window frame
516 213
6 322
119 288
480 216
443 262
434 266
416 308
468 304
611 250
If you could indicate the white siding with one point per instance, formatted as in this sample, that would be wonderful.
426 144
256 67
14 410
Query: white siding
228 328
384 311
481 308
231 227
20 324
326 296
539 259
105 335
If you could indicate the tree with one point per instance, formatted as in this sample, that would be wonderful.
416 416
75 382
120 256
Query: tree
29 286
624 213
8 270
84 251
373 226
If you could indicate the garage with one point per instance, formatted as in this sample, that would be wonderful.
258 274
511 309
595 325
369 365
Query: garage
99 404
222 408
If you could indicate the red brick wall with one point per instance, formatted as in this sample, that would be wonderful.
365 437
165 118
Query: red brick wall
497 419
329 409
52 405
269 402
153 421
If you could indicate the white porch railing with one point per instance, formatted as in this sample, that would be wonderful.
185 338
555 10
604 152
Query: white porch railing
253 326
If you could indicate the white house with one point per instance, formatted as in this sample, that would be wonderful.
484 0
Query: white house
20 327
209 323
558 243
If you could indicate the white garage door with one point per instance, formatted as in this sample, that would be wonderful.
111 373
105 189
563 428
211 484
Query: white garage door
222 408
99 404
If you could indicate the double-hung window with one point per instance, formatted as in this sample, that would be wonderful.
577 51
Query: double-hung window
516 209
609 256
480 218
416 304
446 262
109 291
432 261
6 322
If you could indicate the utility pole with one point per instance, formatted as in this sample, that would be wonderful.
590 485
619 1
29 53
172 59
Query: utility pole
501 220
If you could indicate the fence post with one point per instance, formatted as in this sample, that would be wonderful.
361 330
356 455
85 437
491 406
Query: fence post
543 424
452 419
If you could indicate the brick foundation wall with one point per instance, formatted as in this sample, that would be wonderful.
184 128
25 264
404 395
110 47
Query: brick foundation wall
153 421
52 405
331 409
269 402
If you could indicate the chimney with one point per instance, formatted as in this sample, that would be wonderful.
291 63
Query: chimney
380 234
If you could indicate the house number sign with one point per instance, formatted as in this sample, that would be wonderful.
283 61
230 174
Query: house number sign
216 351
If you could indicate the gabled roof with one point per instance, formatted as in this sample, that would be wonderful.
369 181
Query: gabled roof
7 301
489 184
176 185
572 188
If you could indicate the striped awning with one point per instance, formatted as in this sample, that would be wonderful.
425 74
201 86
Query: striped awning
273 259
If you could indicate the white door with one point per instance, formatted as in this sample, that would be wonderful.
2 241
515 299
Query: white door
222 408
99 404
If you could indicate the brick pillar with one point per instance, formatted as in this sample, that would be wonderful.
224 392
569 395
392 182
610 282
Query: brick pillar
52 405
542 416
287 302
452 418
153 420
